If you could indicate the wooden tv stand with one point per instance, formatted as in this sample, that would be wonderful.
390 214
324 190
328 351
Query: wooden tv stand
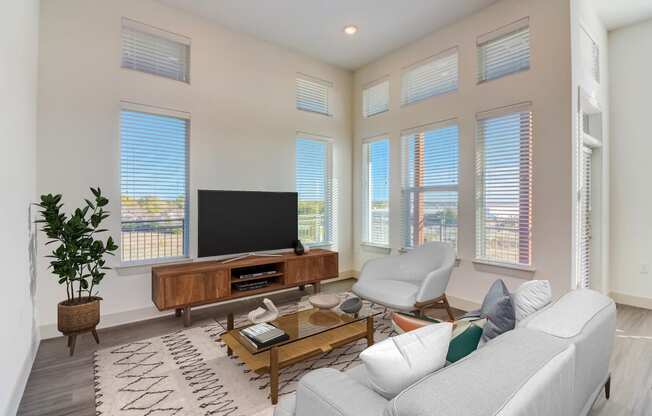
182 286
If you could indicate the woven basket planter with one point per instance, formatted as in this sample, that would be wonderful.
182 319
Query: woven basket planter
78 317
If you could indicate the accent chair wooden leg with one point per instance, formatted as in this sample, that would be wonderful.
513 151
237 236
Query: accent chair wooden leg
97 338
273 374
73 341
607 388
448 309
186 316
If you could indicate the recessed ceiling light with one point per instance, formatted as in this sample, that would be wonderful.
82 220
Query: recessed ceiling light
351 30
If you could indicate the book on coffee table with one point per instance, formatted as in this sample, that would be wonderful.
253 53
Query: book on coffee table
263 335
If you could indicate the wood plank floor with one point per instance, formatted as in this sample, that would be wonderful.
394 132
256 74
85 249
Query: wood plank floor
62 385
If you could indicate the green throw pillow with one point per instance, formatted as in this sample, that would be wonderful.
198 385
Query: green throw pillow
464 343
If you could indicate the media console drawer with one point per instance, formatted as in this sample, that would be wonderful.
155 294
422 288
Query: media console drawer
194 288
307 269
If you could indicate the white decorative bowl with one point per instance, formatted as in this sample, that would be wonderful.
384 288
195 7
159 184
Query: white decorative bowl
324 301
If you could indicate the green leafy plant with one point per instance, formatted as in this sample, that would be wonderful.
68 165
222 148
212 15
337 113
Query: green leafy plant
78 260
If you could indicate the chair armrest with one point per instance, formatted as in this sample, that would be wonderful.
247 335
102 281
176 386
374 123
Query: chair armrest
435 283
329 392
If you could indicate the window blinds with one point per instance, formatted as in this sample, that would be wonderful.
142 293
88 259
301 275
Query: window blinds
155 51
430 184
435 76
375 99
590 52
313 94
504 51
586 213
313 185
154 185
375 154
504 185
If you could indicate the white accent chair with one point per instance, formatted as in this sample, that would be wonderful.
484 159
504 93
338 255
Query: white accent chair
411 282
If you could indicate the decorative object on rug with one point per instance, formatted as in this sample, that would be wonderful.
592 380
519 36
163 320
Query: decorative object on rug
324 301
530 297
393 365
78 261
267 313
149 377
351 305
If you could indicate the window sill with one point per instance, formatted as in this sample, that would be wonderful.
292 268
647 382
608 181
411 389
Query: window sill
319 245
152 263
376 247
511 266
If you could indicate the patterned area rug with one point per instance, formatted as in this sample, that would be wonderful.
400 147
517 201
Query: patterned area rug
189 373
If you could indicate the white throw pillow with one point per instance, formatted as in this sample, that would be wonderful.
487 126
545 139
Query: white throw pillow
397 362
530 297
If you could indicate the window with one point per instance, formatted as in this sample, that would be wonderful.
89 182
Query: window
375 98
504 186
430 184
313 94
375 162
504 51
590 52
434 76
155 51
313 161
154 185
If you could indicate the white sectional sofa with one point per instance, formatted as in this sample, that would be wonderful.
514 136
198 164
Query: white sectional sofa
555 362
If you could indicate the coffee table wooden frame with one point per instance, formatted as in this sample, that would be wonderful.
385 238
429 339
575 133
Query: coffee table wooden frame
285 355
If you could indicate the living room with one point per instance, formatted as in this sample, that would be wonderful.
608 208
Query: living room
362 171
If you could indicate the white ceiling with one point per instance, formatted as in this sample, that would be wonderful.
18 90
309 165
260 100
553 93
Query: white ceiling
619 13
315 27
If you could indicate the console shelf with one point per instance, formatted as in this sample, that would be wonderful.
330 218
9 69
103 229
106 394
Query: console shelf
182 286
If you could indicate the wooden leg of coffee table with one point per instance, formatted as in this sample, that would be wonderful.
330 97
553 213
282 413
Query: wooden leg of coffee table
229 326
370 331
273 374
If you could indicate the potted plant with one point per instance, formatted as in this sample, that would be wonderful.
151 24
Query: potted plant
77 260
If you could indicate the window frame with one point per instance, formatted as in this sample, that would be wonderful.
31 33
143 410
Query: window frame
368 87
408 188
162 112
480 173
328 85
329 189
366 180
496 35
453 51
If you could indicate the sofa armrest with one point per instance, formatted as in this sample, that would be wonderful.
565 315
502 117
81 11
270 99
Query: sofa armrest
329 392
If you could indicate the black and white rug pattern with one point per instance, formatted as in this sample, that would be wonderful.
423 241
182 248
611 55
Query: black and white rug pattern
188 373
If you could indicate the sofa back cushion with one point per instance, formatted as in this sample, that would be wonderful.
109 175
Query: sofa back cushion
482 383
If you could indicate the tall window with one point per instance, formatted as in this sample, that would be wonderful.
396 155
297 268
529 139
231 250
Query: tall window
430 184
154 186
434 76
313 166
504 186
313 94
375 162
504 51
375 98
155 51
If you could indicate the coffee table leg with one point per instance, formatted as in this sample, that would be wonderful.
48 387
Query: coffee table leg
229 326
370 331
273 374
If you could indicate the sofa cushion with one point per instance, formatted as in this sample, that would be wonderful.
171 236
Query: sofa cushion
500 318
397 362
530 297
395 294
464 341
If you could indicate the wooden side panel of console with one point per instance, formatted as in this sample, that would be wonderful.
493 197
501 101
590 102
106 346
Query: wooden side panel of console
310 269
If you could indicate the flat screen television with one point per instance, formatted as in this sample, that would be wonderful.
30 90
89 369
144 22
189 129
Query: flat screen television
233 222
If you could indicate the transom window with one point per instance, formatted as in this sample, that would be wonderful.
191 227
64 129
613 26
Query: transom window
504 51
313 94
375 98
434 76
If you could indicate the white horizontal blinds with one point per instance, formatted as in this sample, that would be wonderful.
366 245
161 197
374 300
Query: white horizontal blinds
155 51
434 76
313 94
375 153
504 185
429 195
315 190
154 185
375 99
590 53
586 212
504 51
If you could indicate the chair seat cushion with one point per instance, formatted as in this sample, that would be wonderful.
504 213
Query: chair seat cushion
394 294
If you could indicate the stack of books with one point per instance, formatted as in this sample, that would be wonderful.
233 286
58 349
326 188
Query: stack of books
263 335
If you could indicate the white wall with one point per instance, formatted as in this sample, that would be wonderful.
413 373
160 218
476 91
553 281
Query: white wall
244 122
547 85
630 60
18 78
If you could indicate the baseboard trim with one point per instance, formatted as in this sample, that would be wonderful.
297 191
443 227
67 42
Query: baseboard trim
136 315
463 304
21 383
631 300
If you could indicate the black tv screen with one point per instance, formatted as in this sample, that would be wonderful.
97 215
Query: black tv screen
233 222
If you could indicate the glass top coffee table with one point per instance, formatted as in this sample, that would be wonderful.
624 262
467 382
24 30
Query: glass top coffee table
312 332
